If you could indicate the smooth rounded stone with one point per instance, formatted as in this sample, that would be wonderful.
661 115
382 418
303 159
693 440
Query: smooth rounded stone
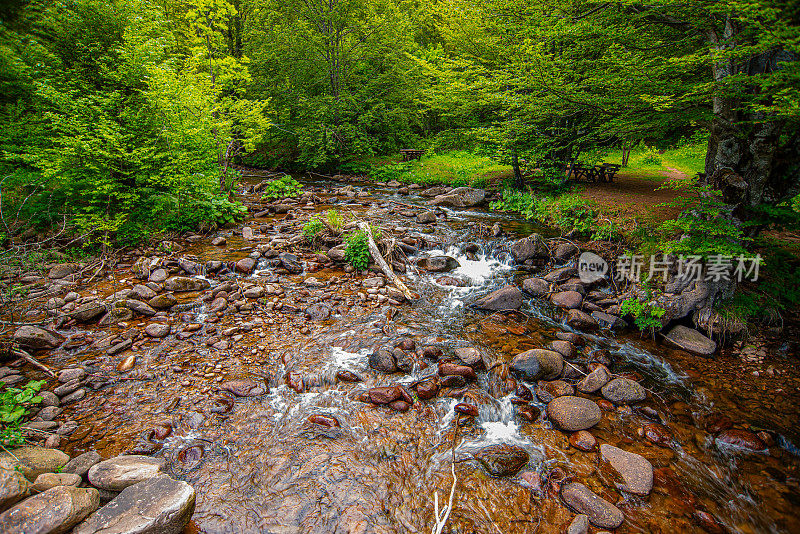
427 389
62 270
327 421
70 374
438 264
81 464
565 251
13 484
33 461
594 380
54 511
536 287
502 459
579 525
140 307
529 248
574 413
157 330
255 292
538 364
49 398
163 301
384 394
567 299
547 391
460 197
405 360
290 262
583 440
33 337
608 320
143 292
218 304
636 471
128 363
118 473
318 312
158 276
48 413
564 348
88 312
464 408
245 388
45 481
690 340
219 241
624 391
581 320
245 265
506 298
383 360
582 500
743 439
426 217
468 355
55 303
452 369
450 281
159 505
180 284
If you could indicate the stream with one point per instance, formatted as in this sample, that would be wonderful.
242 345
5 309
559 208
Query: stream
310 456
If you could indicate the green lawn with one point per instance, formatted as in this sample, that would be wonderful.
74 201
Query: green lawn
689 159
456 168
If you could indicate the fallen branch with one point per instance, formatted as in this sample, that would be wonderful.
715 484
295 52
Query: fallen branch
19 353
441 519
378 257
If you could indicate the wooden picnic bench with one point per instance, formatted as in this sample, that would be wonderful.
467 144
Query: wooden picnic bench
595 173
411 153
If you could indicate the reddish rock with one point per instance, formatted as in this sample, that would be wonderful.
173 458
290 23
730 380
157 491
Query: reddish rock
399 405
384 394
741 438
344 375
427 390
583 441
464 408
452 369
717 422
327 421
529 413
708 522
658 435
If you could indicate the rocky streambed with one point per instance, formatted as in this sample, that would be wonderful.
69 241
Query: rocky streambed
251 381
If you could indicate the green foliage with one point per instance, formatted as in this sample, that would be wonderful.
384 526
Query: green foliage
334 218
357 251
283 187
646 315
456 168
14 405
313 228
651 157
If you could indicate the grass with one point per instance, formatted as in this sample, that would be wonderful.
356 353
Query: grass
689 159
455 168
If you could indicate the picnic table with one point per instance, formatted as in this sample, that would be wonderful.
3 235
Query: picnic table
411 153
605 172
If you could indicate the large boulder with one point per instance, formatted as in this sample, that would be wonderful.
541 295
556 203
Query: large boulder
63 270
690 340
505 298
582 500
37 338
636 471
502 459
438 264
33 461
624 391
460 197
180 284
529 248
13 484
581 320
574 413
536 287
159 505
118 473
538 364
54 511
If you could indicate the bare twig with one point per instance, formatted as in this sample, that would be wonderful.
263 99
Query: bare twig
31 360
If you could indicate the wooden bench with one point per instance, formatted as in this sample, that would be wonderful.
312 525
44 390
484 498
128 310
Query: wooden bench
410 153
595 173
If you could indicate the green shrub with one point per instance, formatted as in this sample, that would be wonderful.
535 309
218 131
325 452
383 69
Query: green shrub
14 405
357 251
313 228
334 218
569 212
646 315
283 187
651 157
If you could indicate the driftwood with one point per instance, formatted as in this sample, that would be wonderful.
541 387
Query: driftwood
19 353
378 257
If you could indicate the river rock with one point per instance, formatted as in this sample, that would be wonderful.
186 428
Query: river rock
468 355
33 461
180 284
290 263
143 292
163 301
505 298
54 511
574 413
536 287
565 251
460 197
581 320
158 276
33 337
547 391
157 330
564 348
502 459
426 217
567 299
384 394
583 440
579 525
81 464
438 264
582 500
45 481
62 270
245 265
452 369
159 505
636 471
383 360
594 380
743 439
13 484
690 340
528 248
538 364
118 473
608 320
245 388
140 307
624 391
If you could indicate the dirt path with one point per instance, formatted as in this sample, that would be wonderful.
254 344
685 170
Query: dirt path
634 195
